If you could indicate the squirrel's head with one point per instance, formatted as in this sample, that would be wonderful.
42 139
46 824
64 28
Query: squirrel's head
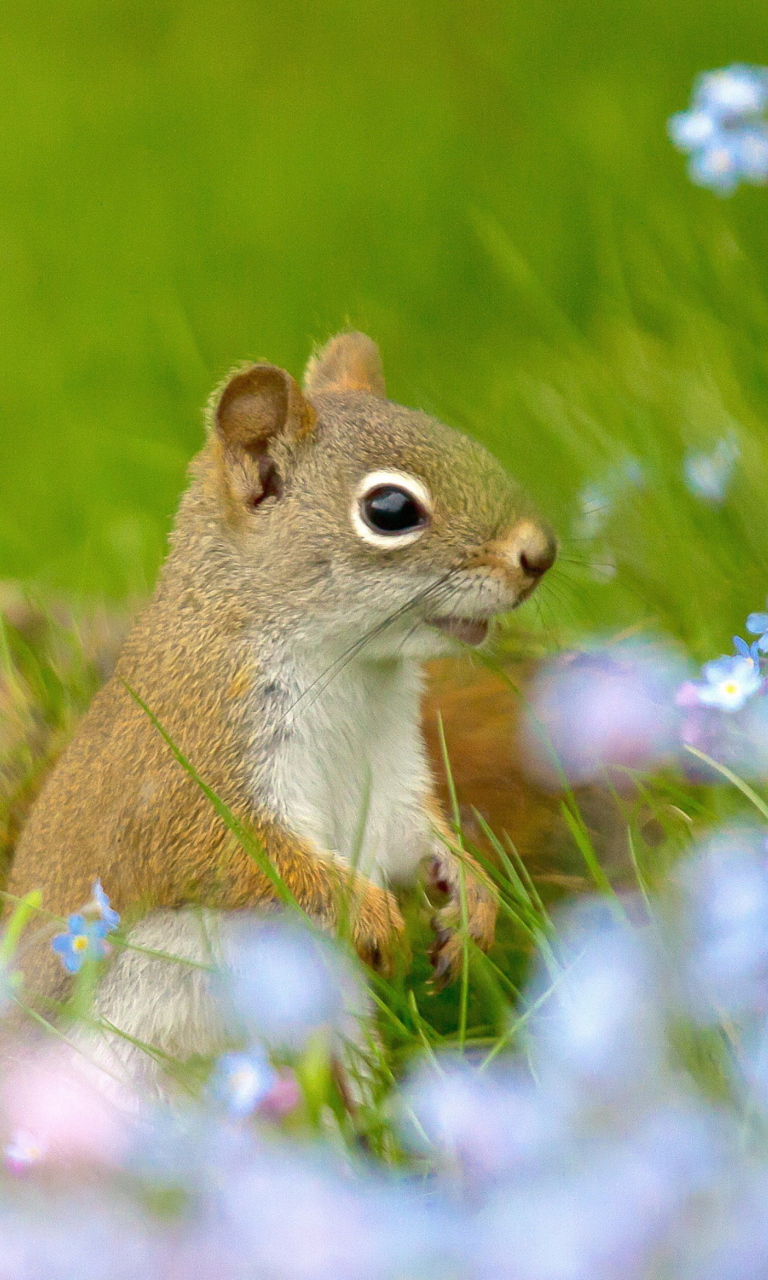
350 516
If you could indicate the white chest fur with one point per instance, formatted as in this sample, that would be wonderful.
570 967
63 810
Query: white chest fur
350 772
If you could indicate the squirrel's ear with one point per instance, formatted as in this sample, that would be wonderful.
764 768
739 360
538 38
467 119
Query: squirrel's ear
349 362
255 407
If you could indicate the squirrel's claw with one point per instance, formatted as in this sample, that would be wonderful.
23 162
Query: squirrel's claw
379 932
445 954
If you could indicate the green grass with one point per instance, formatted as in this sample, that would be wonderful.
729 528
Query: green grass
486 188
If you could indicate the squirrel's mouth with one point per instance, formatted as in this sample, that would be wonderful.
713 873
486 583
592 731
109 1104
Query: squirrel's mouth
471 630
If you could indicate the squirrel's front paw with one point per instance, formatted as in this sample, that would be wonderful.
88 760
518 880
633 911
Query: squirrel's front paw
445 875
378 931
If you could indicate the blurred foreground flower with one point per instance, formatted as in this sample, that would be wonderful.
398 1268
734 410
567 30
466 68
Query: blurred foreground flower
247 1082
286 983
599 1036
724 132
478 1125
24 1150
598 1162
610 1211
57 1107
609 707
241 1081
724 922
590 1149
299 1216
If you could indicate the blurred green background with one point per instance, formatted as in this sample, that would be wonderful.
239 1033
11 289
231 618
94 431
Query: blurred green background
485 187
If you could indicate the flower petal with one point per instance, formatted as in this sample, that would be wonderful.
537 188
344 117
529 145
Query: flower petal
723 668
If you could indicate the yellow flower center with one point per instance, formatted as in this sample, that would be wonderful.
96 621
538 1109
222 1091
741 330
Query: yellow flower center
80 942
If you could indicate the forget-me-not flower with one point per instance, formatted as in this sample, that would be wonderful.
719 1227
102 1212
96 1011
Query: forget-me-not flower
242 1081
748 650
83 940
725 132
101 904
86 931
729 682
757 623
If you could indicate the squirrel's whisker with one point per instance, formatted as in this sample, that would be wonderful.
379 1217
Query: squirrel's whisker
354 649
452 595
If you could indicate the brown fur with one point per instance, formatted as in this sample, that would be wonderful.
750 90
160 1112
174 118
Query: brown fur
349 362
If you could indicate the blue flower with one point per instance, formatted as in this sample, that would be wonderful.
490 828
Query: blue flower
724 132
594 512
757 623
284 983
729 682
707 475
241 1081
101 904
597 502
745 650
725 916
83 940
732 92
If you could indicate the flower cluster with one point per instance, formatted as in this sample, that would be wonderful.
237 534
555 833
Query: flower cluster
627 706
593 1150
725 132
725 713
596 1154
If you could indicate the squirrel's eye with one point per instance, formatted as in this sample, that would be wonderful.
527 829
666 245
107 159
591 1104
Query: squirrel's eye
388 509
391 509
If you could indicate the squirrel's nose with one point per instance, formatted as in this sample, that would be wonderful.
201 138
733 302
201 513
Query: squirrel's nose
534 549
523 555
536 558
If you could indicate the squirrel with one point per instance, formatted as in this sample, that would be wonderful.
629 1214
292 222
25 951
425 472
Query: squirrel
330 542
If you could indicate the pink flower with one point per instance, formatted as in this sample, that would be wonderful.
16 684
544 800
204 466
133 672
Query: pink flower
60 1108
283 1098
609 707
24 1151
